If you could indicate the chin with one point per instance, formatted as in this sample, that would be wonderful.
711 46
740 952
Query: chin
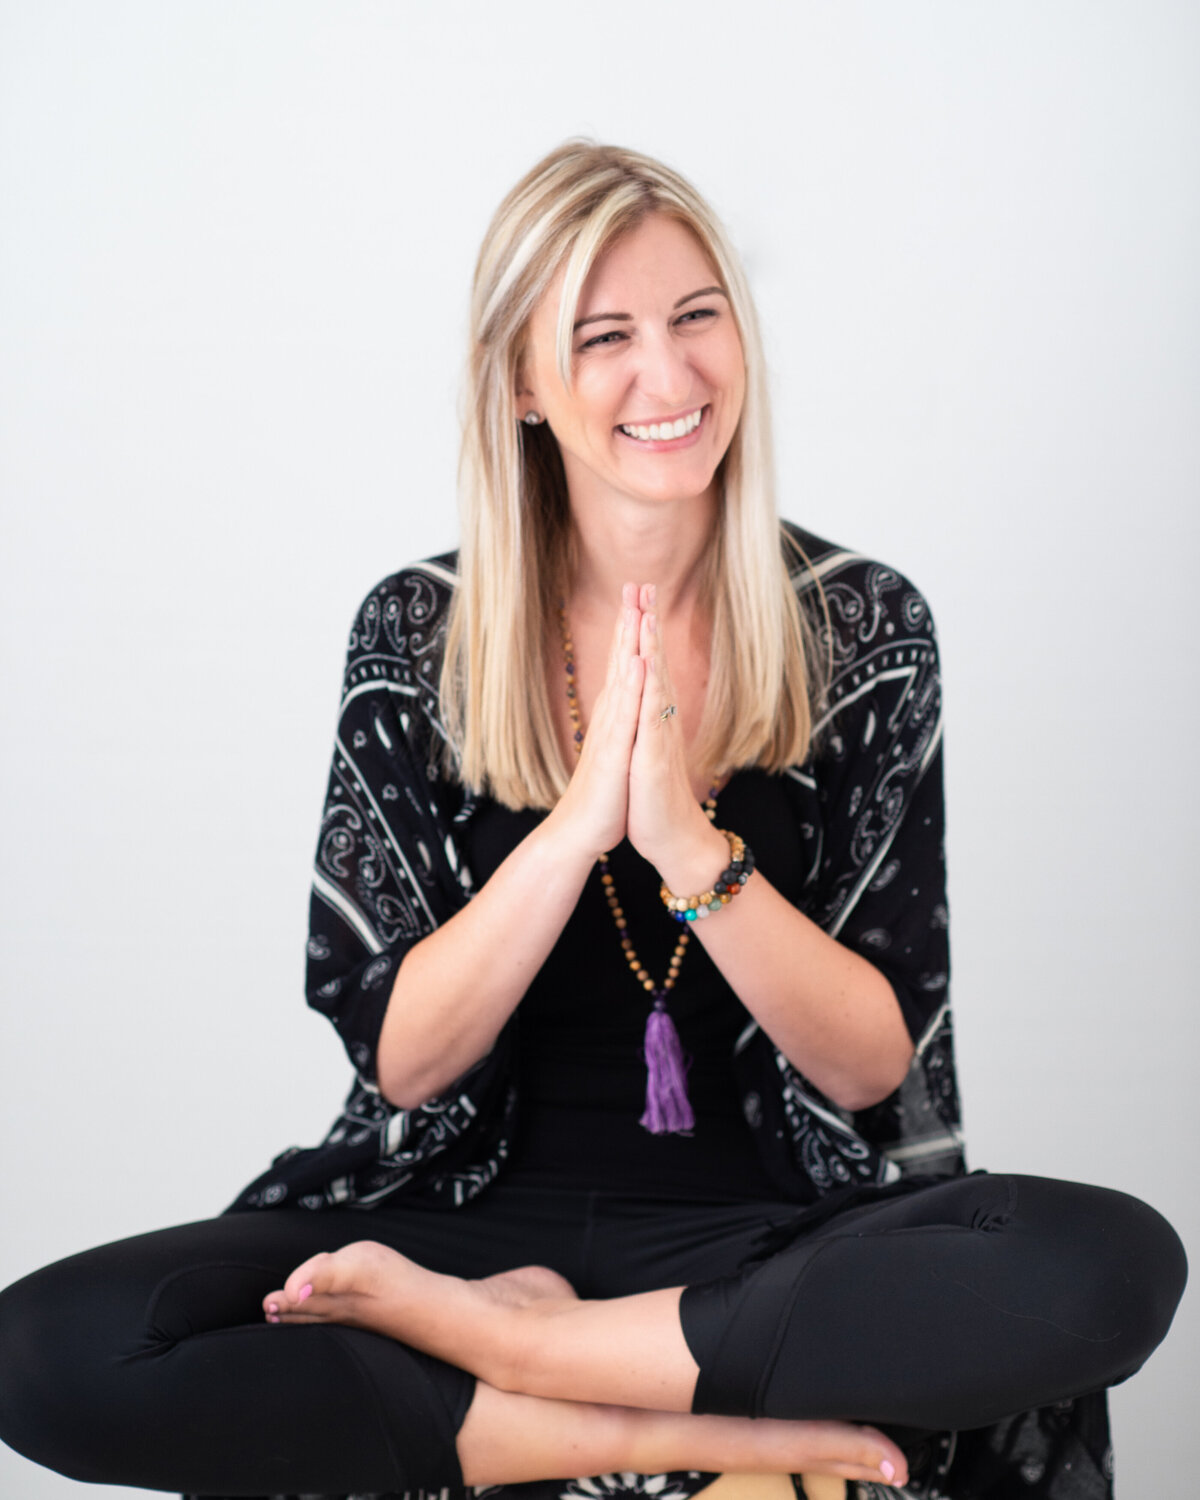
680 491
667 485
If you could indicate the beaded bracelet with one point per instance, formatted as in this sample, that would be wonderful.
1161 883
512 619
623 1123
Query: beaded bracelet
727 885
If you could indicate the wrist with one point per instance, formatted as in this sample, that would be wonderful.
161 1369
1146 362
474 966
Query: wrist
695 861
565 844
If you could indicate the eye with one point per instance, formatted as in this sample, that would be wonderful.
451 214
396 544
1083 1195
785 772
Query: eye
601 339
697 315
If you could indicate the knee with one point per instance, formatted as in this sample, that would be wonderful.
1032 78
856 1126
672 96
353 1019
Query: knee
1148 1276
31 1356
56 1379
1120 1257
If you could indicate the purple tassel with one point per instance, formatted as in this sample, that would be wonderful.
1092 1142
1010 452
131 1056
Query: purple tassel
667 1109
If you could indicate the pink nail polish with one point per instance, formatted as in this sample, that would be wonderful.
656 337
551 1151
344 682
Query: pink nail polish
306 1292
887 1470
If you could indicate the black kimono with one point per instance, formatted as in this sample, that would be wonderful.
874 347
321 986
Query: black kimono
867 808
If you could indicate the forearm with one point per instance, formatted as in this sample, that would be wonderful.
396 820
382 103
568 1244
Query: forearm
828 1010
457 987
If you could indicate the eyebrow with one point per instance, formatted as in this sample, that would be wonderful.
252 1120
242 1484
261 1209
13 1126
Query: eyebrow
628 317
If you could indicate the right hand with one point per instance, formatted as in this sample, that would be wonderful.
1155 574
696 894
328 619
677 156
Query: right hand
592 813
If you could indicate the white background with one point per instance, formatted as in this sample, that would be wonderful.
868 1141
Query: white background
235 244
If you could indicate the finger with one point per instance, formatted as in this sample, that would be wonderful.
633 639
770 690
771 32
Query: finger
625 634
607 708
662 670
654 696
647 635
615 654
646 596
632 690
650 647
617 724
614 645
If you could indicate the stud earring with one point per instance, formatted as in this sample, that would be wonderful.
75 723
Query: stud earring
532 418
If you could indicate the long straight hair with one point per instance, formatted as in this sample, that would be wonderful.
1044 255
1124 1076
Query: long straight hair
516 542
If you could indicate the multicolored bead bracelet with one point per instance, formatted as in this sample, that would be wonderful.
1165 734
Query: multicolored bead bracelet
726 887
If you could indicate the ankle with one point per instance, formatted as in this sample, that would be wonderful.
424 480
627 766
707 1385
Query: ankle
505 1350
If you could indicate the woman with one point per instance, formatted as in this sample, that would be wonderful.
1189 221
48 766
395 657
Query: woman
632 687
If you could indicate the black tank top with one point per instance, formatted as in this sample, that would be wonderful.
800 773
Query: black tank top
582 1073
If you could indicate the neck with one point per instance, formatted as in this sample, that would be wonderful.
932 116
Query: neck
665 544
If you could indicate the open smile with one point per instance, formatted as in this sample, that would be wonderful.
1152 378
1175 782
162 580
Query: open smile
671 433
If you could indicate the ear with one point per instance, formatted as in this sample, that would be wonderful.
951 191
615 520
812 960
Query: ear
524 398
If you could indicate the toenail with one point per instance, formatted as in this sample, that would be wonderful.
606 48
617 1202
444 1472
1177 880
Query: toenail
305 1292
887 1470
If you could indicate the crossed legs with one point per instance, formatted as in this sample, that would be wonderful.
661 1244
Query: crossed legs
951 1307
148 1362
622 1366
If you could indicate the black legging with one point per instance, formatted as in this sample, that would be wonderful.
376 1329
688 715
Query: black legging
147 1362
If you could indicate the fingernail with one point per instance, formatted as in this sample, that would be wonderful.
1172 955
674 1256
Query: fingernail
654 593
887 1470
306 1292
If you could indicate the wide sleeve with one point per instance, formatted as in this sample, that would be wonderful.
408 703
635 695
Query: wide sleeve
879 879
869 803
385 872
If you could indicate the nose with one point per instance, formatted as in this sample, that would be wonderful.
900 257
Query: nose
665 374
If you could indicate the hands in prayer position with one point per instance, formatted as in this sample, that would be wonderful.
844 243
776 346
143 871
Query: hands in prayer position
632 777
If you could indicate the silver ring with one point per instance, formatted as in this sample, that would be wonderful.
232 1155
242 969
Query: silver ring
667 712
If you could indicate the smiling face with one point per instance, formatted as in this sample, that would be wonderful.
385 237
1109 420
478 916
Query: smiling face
658 370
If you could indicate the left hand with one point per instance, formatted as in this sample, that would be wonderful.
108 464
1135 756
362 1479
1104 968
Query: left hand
666 824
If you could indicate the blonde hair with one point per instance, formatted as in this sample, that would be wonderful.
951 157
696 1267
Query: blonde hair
516 544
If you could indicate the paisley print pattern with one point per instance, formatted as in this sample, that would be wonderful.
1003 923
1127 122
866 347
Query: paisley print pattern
868 803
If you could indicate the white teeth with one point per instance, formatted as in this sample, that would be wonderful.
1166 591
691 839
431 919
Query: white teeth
665 431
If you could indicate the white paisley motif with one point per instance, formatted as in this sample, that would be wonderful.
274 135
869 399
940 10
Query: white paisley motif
369 633
602 1486
373 974
339 828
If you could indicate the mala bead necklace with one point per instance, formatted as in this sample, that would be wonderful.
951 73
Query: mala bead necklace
668 1110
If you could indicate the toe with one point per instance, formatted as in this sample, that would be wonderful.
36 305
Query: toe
310 1274
887 1458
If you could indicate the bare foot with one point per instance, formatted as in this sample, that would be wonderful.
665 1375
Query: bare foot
368 1285
527 1284
510 1438
476 1325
